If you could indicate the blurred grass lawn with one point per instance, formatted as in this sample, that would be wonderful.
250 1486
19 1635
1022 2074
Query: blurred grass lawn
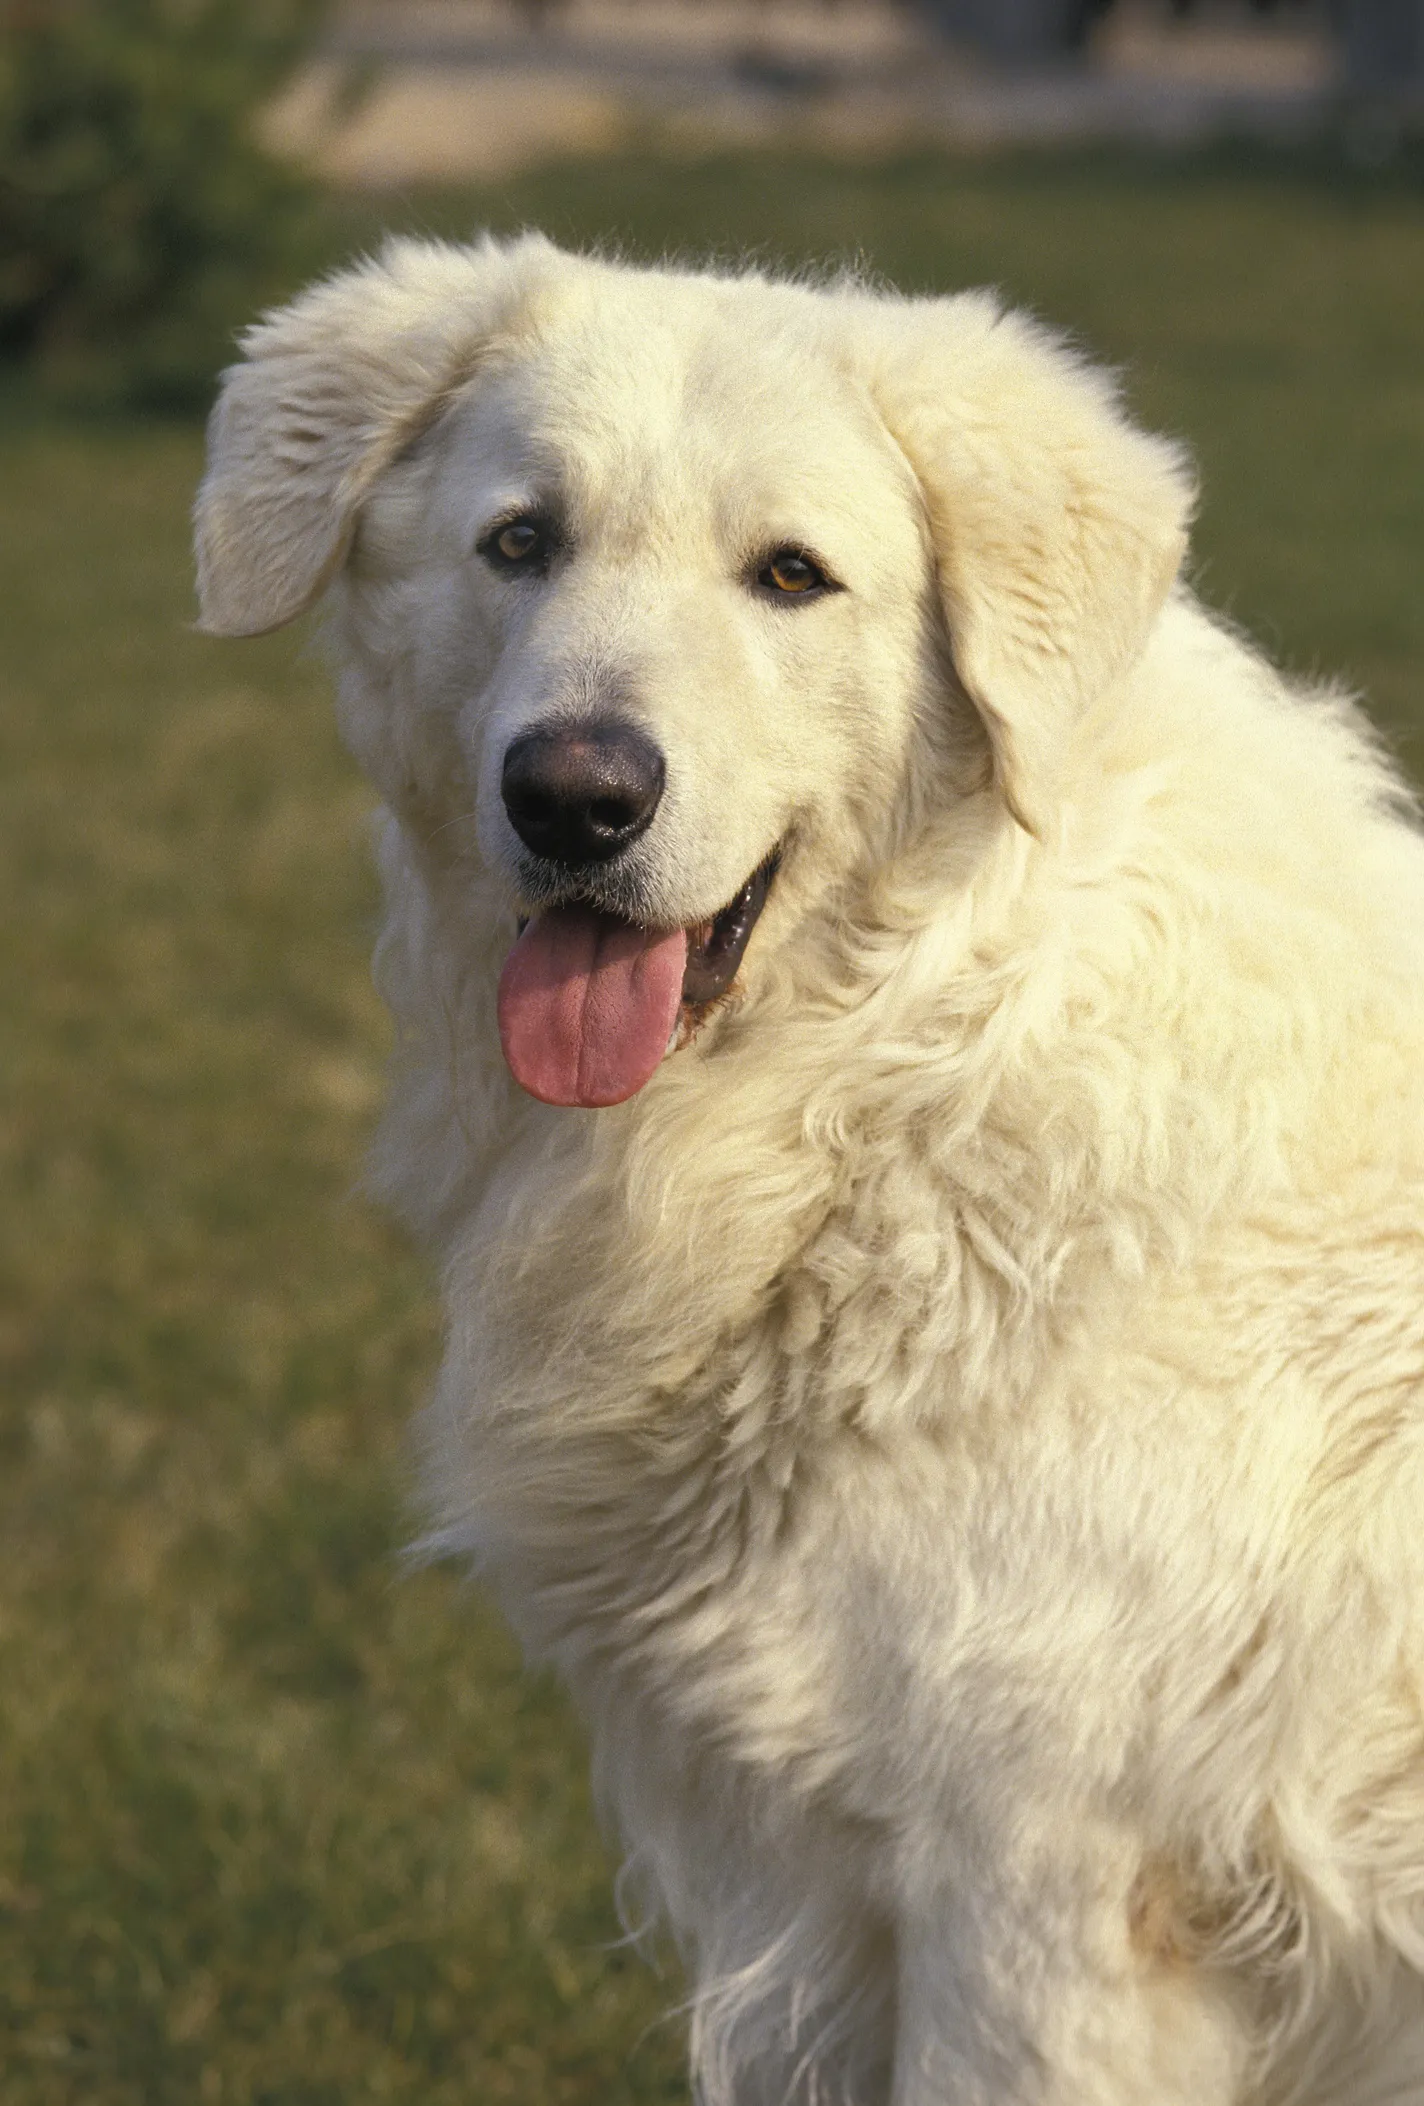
279 1824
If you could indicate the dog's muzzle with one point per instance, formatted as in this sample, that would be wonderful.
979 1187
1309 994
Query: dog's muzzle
591 1000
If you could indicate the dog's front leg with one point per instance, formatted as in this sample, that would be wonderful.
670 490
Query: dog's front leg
1041 2000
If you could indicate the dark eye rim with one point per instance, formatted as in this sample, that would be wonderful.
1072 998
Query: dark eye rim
536 559
823 583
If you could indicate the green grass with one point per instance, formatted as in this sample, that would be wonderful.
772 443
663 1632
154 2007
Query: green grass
279 1823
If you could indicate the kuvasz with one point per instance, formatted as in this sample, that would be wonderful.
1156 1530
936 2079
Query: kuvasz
911 1048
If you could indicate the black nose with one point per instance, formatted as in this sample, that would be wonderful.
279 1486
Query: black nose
578 793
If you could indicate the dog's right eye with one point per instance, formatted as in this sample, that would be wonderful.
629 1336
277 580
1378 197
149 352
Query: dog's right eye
518 544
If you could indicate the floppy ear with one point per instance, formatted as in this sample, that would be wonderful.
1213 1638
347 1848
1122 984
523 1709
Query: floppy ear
332 388
1058 527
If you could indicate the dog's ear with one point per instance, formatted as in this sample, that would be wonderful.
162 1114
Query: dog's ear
331 390
1058 527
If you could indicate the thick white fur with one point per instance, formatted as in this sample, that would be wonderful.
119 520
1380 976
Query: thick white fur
960 1430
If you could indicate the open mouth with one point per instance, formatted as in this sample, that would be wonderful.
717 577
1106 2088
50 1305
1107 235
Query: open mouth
714 948
590 1003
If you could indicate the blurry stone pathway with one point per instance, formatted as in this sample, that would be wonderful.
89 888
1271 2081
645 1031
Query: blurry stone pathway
412 91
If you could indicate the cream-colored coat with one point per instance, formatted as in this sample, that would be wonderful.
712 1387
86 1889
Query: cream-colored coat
960 1428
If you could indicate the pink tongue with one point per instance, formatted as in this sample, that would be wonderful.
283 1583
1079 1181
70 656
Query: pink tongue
587 1004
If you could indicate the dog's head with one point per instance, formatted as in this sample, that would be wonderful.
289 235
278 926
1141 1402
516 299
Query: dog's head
689 569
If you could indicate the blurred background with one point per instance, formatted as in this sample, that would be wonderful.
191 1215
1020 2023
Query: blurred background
281 1823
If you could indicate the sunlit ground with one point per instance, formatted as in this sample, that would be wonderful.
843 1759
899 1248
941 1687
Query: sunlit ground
279 1822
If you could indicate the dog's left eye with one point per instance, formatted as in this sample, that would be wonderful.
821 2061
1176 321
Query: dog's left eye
791 574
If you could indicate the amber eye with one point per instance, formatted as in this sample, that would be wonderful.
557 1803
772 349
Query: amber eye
791 573
518 544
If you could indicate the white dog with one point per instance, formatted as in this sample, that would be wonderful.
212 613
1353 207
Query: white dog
941 1370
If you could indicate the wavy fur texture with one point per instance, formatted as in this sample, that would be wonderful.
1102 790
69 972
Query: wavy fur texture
959 1430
